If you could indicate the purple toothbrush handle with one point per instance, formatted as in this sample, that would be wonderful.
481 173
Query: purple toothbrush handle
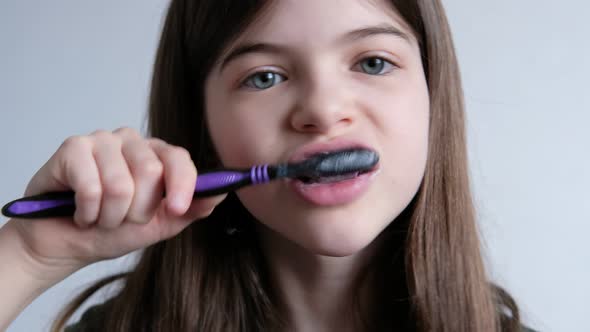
222 179
215 180
53 204
27 207
58 204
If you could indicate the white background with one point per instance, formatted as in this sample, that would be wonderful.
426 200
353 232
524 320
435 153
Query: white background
71 67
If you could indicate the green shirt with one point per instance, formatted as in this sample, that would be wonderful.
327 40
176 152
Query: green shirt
92 320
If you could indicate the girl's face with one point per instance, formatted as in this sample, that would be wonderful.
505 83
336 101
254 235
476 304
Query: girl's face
320 75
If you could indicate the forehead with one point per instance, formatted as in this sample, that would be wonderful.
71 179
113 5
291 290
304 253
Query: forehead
321 21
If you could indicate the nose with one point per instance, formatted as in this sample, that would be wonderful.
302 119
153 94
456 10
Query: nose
324 106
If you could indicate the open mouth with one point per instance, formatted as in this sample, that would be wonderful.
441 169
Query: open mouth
336 166
332 179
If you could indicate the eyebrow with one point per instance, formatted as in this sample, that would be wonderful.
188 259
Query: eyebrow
354 35
382 29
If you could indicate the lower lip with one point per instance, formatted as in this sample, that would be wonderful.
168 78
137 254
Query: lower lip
336 193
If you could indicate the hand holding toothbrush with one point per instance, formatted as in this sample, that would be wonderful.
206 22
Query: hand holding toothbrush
119 179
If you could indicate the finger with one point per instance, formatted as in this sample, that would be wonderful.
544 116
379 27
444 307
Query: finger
147 172
80 172
199 209
116 180
127 133
203 207
180 176
164 225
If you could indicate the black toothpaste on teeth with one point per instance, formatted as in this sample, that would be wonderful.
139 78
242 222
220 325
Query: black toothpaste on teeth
330 179
336 166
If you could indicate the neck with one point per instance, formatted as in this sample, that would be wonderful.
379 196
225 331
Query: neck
318 293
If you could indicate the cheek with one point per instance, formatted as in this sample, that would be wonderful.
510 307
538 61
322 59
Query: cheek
243 134
403 126
407 123
401 114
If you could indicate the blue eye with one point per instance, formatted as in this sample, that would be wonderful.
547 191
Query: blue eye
375 66
263 80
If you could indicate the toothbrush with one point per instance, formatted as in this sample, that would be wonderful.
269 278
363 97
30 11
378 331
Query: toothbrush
61 204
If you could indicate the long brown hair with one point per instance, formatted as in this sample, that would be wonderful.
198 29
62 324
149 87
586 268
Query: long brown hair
211 277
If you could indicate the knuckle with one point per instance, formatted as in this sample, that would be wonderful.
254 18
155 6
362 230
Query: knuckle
126 131
104 137
90 192
179 152
154 140
118 186
101 133
75 143
151 168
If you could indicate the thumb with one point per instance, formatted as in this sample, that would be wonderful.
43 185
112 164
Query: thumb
200 208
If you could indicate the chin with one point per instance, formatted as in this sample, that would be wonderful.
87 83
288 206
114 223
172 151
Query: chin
336 232
329 240
334 245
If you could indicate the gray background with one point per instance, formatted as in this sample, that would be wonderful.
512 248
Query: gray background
70 67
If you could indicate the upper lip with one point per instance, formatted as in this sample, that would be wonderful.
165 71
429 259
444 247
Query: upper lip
305 151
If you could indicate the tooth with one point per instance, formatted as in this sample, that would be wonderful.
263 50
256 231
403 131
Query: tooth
337 178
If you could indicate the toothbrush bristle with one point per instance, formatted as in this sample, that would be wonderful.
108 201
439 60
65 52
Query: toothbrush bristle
337 163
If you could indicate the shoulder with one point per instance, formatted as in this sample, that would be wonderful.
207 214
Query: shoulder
92 319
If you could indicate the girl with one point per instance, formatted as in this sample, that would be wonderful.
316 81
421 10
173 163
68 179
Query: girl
240 83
